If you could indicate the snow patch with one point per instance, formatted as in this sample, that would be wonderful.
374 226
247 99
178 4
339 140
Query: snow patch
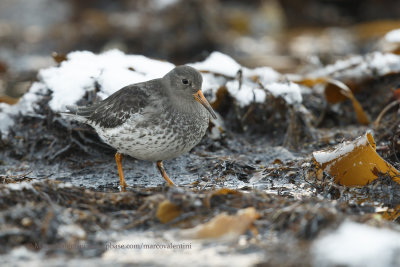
80 73
111 70
71 231
211 84
289 91
342 149
141 248
265 75
105 73
245 93
355 244
393 36
218 63
326 156
357 67
19 186
25 105
161 4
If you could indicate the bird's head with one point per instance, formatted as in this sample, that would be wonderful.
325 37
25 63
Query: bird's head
186 82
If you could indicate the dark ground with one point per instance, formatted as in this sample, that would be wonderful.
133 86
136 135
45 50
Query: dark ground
59 176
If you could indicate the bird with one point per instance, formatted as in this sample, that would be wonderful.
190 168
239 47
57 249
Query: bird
156 120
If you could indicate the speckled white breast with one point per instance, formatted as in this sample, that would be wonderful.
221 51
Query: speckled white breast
174 135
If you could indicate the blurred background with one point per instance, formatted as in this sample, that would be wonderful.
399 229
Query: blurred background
288 35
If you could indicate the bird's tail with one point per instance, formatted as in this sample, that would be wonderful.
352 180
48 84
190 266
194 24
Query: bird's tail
72 108
73 114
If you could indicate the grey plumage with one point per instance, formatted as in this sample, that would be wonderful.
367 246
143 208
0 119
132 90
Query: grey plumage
154 120
117 108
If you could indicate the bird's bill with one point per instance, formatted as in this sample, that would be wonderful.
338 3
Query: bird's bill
202 100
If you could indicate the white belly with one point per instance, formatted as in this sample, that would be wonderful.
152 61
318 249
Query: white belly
153 143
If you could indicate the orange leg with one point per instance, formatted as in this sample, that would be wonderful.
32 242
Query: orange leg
160 167
118 159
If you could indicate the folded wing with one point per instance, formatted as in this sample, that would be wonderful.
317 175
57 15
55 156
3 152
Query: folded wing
114 110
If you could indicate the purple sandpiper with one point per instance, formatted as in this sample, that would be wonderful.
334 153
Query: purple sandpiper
155 120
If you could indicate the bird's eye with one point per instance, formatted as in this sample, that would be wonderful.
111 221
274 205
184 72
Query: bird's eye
184 81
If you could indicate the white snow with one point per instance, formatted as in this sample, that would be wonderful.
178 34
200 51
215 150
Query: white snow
211 84
23 254
69 82
218 63
246 94
355 244
141 249
326 156
393 36
357 67
84 71
19 186
65 185
24 106
250 89
342 149
161 4
71 231
289 91
384 63
338 66
265 75
112 70
6 121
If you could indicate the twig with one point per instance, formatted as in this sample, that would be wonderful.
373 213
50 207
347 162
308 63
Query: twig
383 112
59 152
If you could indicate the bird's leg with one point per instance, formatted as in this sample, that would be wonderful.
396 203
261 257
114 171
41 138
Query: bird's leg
118 159
160 167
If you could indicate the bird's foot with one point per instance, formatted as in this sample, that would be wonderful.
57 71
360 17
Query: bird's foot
161 169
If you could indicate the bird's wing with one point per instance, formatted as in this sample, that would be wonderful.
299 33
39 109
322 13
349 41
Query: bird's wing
116 109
